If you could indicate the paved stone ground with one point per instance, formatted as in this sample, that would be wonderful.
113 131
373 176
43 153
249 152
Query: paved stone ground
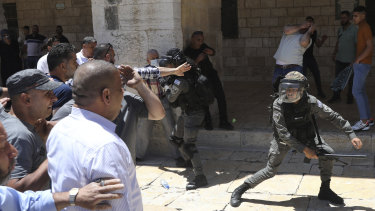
294 188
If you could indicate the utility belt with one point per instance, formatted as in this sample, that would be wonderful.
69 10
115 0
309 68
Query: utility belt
286 66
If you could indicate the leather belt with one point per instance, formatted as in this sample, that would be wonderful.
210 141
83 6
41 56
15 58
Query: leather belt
286 66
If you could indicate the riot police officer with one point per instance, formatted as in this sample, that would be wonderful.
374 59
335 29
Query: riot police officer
190 92
292 121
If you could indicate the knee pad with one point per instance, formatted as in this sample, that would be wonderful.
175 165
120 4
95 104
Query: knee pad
189 149
176 140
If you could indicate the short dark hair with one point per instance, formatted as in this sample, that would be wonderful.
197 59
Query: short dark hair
309 18
58 26
197 33
26 27
345 12
58 54
51 40
101 50
87 40
360 9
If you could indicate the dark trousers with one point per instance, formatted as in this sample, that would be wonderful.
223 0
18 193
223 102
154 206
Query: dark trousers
217 89
340 66
32 61
310 62
277 154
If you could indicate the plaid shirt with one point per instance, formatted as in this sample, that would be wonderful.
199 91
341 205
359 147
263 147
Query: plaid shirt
152 74
148 72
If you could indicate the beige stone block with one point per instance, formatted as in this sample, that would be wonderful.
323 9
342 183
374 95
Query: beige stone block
284 3
243 13
250 51
260 32
269 21
276 32
244 32
253 42
302 3
226 52
263 51
322 21
278 12
252 3
157 208
238 52
283 21
268 3
241 4
260 12
295 12
147 174
269 42
242 22
328 10
311 11
251 22
321 3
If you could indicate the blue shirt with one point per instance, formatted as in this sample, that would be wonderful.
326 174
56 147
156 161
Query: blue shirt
84 147
63 93
13 200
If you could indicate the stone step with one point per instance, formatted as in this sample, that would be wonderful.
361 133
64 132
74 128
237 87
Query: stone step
250 139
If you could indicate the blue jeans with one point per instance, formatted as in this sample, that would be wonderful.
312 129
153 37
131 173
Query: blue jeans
282 72
360 74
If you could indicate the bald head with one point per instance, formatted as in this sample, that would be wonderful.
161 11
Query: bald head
90 79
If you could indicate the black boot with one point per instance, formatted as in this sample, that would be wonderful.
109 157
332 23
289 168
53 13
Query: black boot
225 125
199 181
235 199
326 193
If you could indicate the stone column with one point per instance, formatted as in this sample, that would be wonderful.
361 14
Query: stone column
134 26
3 21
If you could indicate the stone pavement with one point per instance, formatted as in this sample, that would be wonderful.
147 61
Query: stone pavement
294 188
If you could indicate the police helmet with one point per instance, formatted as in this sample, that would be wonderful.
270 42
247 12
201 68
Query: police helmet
292 87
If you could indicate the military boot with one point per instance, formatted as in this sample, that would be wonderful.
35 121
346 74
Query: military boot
326 193
199 181
235 199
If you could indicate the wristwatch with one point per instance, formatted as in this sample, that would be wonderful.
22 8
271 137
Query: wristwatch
72 196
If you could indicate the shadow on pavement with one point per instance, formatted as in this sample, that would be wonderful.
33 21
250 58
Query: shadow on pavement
298 201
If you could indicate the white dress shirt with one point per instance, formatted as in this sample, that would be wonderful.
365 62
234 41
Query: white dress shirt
81 58
84 147
42 64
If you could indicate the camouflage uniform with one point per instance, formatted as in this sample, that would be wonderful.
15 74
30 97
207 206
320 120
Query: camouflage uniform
293 128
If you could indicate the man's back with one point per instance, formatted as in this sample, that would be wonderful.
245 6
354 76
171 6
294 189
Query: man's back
82 148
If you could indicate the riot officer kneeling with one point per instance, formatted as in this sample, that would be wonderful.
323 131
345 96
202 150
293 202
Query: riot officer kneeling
190 92
293 114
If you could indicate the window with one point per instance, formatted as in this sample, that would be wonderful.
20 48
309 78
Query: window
10 13
229 18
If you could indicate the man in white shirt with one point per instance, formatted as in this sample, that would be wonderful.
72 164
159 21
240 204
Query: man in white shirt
87 52
42 63
85 142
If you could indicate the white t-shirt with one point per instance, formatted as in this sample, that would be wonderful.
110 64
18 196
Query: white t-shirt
290 50
81 58
42 64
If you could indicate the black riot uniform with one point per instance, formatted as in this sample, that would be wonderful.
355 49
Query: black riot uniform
190 92
292 121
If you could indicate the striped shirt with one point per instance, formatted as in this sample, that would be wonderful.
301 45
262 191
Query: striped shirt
34 44
84 147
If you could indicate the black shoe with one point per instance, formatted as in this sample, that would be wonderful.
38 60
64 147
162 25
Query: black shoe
225 125
199 181
180 162
235 199
326 193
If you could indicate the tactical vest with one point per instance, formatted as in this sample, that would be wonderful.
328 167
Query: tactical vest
298 119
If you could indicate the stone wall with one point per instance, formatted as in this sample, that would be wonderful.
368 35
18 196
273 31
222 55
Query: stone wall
134 26
250 57
198 15
75 18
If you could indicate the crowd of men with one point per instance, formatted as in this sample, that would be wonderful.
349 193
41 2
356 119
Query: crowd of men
69 124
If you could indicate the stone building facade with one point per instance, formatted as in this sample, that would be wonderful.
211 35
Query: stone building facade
75 16
134 26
